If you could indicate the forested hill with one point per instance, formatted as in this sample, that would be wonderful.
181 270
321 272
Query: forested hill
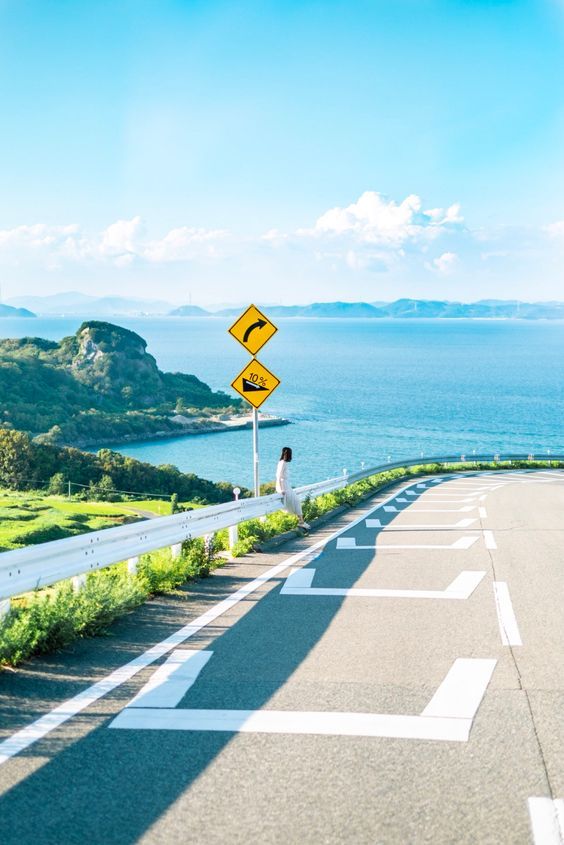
99 384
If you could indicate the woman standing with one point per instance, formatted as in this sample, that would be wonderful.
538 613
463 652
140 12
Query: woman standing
291 500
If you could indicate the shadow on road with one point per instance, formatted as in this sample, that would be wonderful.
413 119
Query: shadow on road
111 786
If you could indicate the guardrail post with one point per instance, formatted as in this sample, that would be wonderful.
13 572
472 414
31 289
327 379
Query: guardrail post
132 565
78 582
234 529
5 606
176 550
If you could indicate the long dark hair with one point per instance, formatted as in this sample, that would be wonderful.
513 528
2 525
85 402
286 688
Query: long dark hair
286 454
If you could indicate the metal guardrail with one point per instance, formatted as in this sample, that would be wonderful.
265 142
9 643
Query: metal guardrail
30 568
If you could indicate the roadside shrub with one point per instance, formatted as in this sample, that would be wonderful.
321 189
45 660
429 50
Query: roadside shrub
49 620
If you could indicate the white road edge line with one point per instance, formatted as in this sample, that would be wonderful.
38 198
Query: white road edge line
507 621
547 820
448 716
299 583
36 730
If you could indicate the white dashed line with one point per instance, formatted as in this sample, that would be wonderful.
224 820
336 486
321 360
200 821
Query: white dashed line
547 820
506 615
489 540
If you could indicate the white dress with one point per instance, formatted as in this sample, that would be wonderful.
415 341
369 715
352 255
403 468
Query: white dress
291 500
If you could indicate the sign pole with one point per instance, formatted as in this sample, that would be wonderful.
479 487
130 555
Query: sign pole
256 452
255 383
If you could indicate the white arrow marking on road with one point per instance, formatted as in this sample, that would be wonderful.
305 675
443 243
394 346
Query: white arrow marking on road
507 621
299 582
168 685
460 545
547 820
448 717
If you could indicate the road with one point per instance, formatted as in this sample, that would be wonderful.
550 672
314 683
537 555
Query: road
397 677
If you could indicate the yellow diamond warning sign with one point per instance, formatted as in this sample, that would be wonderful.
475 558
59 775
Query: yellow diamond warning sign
253 329
255 383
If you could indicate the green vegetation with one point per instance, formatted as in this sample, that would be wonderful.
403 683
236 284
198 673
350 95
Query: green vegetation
26 520
25 465
51 619
97 385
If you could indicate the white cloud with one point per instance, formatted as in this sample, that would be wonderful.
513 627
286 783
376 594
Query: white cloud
444 264
120 243
374 219
556 230
185 243
122 240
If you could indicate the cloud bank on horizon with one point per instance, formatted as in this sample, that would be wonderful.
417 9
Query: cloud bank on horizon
342 250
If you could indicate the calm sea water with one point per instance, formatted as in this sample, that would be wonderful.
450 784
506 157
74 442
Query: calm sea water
362 390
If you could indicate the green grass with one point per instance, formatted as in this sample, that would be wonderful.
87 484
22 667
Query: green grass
27 519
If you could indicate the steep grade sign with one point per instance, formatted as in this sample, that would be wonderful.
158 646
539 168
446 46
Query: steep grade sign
255 383
252 329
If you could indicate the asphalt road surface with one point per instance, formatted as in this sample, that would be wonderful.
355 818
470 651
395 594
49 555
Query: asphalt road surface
397 677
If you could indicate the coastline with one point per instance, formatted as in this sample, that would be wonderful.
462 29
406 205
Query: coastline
215 425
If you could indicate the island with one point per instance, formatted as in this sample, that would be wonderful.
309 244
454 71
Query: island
10 311
101 386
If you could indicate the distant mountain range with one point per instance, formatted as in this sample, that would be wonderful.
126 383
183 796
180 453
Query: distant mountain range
79 304
74 303
402 309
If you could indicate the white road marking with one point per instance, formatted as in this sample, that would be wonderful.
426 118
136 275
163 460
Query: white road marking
507 621
547 820
60 714
373 523
443 500
459 545
464 687
462 523
411 493
465 509
489 540
299 583
390 509
482 513
461 692
168 685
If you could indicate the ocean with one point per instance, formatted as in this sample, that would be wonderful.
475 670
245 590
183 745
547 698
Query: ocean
361 390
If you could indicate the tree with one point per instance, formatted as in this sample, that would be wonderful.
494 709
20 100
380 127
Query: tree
57 484
174 508
16 459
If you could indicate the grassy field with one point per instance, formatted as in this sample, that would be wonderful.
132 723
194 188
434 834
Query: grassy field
27 519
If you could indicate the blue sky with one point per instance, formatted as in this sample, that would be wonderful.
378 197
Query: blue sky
285 151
